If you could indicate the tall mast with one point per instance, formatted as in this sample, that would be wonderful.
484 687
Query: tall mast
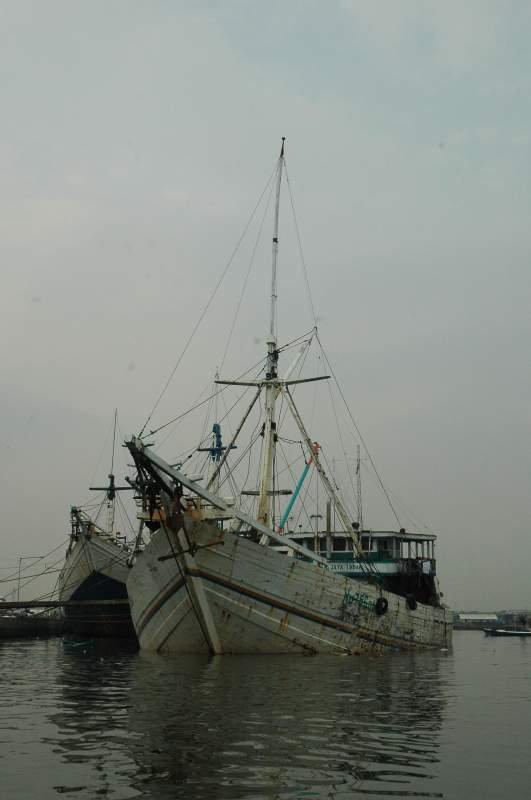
273 316
272 385
111 491
216 450
358 489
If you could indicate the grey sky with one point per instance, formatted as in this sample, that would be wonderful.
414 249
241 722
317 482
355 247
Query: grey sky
135 140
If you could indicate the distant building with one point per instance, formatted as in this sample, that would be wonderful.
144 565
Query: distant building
476 619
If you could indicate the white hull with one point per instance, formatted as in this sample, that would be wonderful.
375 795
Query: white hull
242 597
96 570
91 557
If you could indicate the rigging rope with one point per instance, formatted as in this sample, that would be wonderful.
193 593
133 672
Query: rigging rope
35 575
40 558
240 459
208 304
391 506
121 507
299 241
255 429
287 346
101 454
206 434
197 399
342 445
244 287
202 403
288 467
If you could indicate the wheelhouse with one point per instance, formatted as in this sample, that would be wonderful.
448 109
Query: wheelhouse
405 562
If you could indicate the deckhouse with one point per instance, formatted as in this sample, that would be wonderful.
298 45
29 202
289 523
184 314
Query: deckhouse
405 561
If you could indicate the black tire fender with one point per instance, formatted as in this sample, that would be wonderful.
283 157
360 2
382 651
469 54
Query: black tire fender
382 604
411 602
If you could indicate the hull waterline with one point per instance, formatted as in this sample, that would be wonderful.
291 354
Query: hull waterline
241 597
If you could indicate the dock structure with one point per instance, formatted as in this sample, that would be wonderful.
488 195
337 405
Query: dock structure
14 626
11 605
28 627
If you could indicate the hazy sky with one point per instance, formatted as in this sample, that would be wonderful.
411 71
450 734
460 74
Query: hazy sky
135 140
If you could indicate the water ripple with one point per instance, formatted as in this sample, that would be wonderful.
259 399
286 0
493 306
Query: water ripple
115 724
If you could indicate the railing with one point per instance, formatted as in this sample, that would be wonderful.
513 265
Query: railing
415 565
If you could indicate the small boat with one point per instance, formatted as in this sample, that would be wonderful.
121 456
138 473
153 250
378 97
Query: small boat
507 631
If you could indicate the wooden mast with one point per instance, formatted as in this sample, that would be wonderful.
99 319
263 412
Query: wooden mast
272 385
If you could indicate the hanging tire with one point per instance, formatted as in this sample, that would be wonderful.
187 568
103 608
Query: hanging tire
382 605
411 602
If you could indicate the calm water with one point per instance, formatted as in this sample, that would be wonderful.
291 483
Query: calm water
93 723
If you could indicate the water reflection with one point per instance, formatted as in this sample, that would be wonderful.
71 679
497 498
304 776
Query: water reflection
122 725
284 728
86 723
90 735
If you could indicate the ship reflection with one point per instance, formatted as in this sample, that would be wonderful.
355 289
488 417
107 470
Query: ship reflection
143 725
88 729
255 727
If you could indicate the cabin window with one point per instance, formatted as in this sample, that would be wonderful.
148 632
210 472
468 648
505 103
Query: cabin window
338 543
309 544
365 543
384 547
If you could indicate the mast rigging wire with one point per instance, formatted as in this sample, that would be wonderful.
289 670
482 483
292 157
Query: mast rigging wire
198 405
288 467
244 287
208 304
301 253
205 434
391 506
101 454
35 575
342 445
197 399
314 317
123 510
287 346
17 572
240 459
